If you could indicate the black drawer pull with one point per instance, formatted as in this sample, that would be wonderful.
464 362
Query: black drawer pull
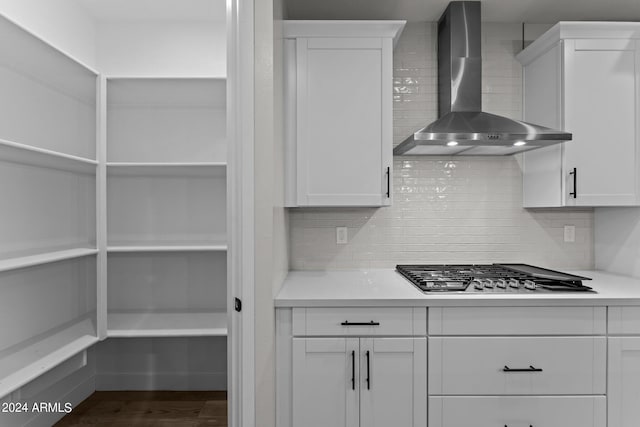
371 323
529 369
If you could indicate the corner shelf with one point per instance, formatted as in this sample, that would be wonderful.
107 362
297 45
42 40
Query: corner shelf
19 367
27 154
174 324
44 258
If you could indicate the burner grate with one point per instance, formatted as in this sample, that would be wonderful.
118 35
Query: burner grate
458 277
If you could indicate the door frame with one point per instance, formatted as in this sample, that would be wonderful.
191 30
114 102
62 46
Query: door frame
240 213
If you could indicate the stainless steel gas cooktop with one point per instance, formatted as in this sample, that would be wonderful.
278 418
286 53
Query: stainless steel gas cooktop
491 278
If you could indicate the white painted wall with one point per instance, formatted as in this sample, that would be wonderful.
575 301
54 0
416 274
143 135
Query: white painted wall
62 23
271 220
196 48
177 363
280 214
617 240
264 179
136 48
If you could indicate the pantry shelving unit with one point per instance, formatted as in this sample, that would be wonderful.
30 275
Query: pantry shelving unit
113 219
48 166
166 207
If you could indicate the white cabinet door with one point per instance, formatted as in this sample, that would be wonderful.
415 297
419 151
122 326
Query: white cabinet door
366 382
325 382
344 121
601 94
393 382
623 394
589 87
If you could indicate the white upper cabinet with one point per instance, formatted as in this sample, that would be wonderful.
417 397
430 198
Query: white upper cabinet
583 78
338 112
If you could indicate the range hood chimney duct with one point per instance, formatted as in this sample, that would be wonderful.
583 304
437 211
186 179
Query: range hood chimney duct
462 127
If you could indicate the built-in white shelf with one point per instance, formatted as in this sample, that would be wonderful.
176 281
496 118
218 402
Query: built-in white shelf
44 258
27 154
167 169
167 164
167 248
166 120
175 324
48 99
167 209
43 353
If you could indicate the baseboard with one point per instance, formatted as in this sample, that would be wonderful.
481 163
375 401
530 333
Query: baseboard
161 381
75 397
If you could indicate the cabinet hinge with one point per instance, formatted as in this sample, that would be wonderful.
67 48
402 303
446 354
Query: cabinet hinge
238 304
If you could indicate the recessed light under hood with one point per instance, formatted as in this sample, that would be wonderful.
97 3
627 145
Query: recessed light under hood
462 127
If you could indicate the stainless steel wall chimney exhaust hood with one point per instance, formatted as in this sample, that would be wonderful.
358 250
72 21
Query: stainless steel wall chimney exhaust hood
462 127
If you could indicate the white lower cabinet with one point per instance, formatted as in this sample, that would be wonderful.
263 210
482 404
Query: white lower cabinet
359 382
518 411
465 367
508 368
623 387
624 382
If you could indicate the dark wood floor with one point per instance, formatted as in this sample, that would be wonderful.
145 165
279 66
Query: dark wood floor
150 409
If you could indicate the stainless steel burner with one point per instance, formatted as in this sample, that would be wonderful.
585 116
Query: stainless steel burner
491 278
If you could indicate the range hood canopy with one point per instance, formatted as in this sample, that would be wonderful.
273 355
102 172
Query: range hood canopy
462 127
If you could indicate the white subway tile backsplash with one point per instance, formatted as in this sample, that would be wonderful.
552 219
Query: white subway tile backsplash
446 209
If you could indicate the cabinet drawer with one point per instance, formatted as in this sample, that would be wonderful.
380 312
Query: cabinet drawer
515 411
505 365
517 321
359 321
624 320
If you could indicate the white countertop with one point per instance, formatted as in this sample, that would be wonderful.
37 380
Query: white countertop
386 287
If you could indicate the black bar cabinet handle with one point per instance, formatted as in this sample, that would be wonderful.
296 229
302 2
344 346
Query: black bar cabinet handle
371 323
575 183
529 369
368 373
353 370
388 182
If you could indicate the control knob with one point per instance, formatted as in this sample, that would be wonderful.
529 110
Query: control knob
530 284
